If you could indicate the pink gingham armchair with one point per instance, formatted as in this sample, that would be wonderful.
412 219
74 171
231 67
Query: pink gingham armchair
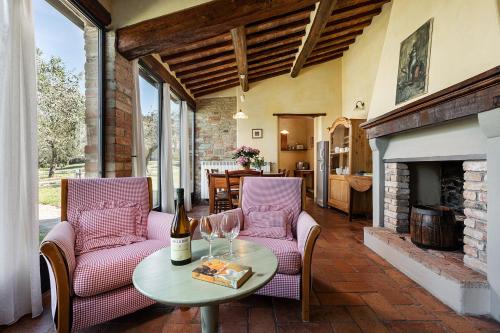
293 279
96 286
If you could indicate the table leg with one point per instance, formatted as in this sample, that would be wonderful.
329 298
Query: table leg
209 318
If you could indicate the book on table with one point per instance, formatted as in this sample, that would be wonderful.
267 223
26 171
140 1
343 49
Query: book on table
221 272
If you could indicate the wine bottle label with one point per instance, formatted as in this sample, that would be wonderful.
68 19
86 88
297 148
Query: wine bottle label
180 248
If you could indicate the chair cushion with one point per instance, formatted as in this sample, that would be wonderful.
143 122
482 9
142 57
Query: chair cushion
268 221
106 226
104 270
287 252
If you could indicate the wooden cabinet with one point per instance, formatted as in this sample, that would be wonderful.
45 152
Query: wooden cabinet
350 154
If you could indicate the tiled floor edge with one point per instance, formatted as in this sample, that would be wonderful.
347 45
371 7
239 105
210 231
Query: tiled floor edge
461 298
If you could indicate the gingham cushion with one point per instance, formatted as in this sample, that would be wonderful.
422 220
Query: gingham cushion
159 225
88 192
276 192
108 227
287 252
268 221
282 285
90 311
104 270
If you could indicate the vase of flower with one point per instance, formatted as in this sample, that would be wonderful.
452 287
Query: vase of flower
244 156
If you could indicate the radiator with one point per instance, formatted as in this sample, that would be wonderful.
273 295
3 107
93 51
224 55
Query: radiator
221 166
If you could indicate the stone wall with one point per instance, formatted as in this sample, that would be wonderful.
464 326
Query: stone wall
91 35
118 115
215 133
475 232
397 195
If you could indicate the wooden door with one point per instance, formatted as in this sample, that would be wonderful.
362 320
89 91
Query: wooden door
338 193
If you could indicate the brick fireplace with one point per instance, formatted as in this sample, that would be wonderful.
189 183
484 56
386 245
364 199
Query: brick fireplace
443 149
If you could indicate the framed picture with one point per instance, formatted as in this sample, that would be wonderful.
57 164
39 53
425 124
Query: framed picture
257 133
413 69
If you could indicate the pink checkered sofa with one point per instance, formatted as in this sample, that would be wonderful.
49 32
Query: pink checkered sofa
96 286
268 195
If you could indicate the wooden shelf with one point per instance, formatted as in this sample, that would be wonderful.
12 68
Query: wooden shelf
295 149
345 152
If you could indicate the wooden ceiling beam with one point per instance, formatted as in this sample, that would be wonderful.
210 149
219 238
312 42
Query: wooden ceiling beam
333 41
346 30
210 90
365 21
214 59
204 52
322 60
291 47
300 15
216 75
323 56
329 51
204 43
273 67
276 54
356 11
196 23
203 81
240 51
156 67
324 11
206 69
352 7
332 47
211 83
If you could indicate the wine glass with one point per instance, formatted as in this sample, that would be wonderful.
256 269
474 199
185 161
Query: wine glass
209 232
230 226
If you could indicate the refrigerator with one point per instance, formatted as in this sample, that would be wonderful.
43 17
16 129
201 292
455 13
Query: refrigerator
322 156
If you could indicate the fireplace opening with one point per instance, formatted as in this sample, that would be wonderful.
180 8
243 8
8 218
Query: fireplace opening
436 202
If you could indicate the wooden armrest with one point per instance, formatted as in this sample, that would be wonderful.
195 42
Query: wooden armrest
57 261
306 270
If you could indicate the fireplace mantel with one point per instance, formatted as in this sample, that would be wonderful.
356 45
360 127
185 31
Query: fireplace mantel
472 96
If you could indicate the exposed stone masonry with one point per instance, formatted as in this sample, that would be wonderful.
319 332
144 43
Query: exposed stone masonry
397 195
215 134
475 232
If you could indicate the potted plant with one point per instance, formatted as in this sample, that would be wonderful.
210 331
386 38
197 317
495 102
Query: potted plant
257 162
244 156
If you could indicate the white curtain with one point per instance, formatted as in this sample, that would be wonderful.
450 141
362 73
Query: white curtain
186 181
138 150
19 257
166 172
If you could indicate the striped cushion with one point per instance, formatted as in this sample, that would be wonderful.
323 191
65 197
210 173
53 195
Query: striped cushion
287 252
104 270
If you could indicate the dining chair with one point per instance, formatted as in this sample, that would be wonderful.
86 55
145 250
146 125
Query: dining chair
284 172
221 200
233 178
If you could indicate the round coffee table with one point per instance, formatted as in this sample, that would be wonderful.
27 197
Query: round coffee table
156 278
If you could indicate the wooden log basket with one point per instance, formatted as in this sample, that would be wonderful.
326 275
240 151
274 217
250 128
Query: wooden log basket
434 227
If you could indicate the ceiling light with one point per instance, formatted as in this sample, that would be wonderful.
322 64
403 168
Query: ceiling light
240 115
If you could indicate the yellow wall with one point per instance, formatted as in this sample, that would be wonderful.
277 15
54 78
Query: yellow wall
465 42
127 12
300 129
317 89
360 64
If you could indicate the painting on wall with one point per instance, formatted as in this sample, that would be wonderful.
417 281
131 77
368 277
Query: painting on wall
413 69
257 133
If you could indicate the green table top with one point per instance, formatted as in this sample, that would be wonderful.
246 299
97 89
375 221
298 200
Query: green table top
156 278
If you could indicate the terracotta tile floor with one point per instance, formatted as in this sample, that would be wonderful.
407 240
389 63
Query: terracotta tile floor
354 290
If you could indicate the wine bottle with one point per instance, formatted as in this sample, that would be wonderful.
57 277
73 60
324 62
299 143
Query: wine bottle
180 237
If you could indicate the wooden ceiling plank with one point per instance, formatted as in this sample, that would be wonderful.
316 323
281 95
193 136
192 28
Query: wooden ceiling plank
216 88
292 47
156 67
274 22
323 56
202 78
356 11
196 23
322 60
344 31
270 75
365 21
342 48
271 61
212 82
277 66
333 41
275 54
206 69
199 53
204 43
240 51
293 38
284 31
197 75
351 6
324 11
214 59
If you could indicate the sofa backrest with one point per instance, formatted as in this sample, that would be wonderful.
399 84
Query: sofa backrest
285 192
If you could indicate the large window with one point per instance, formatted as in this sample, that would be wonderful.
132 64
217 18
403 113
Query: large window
69 101
175 109
150 96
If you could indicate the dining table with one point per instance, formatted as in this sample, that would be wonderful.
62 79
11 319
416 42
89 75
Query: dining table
218 181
